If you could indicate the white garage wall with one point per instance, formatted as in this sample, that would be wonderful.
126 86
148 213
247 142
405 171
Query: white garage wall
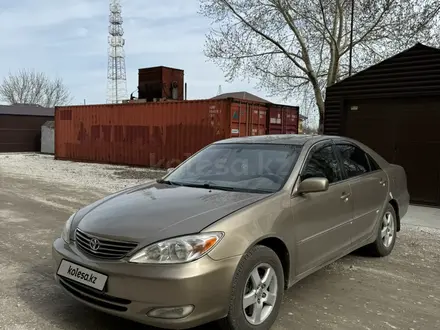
48 138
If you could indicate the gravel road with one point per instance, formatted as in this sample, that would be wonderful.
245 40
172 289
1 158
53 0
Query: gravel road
38 194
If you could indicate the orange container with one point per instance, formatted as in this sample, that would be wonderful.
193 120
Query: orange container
156 134
283 119
247 118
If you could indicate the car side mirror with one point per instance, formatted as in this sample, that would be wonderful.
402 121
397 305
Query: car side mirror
169 170
312 185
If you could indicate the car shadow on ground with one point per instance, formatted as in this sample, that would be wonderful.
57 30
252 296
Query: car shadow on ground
36 288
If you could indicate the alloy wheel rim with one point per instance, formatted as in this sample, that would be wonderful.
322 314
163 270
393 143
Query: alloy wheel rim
387 231
260 294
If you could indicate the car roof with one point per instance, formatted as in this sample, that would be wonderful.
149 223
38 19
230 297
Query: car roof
293 139
301 140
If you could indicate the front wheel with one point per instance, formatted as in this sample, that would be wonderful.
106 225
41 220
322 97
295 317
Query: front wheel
386 235
257 291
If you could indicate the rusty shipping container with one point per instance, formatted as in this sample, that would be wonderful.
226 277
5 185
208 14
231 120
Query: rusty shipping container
283 119
156 134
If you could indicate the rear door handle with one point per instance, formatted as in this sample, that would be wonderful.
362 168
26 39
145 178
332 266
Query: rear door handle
383 182
345 196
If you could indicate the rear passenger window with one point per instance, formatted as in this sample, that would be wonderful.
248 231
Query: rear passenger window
322 163
354 160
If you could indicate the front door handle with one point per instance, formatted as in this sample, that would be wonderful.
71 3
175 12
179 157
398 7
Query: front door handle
383 182
345 196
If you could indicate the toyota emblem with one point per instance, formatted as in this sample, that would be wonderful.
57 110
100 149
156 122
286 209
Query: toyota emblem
94 244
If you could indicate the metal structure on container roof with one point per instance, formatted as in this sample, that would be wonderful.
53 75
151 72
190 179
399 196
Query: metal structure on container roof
116 71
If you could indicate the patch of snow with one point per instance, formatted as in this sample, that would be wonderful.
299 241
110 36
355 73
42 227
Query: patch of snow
109 178
53 204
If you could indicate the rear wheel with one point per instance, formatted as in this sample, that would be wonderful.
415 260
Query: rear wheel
257 291
386 235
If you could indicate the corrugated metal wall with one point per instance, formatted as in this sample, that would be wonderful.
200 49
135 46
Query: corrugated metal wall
414 72
394 108
283 120
247 118
156 134
153 134
20 133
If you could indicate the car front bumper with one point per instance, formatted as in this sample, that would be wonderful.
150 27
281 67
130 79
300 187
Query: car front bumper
133 290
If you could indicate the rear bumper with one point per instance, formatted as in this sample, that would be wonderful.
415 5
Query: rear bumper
132 291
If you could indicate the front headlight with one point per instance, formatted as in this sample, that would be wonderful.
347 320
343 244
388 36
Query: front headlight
66 231
178 250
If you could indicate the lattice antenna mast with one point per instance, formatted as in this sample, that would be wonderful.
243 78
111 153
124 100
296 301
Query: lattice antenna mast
116 72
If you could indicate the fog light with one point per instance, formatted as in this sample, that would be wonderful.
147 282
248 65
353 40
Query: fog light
171 312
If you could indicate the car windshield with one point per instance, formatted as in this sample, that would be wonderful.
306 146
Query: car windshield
260 168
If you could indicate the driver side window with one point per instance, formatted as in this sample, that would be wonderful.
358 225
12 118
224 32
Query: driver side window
322 162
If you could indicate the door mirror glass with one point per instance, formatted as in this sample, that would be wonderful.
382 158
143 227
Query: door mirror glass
169 170
312 185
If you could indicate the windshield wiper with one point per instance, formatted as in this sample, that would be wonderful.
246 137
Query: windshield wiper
226 188
168 182
199 185
210 186
205 186
214 187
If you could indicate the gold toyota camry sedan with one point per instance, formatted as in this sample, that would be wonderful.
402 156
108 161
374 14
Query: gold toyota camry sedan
223 235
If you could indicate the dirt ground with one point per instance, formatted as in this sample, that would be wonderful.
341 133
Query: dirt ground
37 194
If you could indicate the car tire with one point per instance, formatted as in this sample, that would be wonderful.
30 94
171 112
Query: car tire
255 262
386 234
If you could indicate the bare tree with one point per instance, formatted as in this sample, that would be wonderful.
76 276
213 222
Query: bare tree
308 129
299 47
30 87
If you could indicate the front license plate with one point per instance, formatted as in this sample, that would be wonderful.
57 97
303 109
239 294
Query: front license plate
82 275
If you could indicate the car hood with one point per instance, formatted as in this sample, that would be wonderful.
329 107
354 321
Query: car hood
153 212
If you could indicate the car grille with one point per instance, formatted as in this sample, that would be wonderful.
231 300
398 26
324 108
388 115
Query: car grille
96 298
102 247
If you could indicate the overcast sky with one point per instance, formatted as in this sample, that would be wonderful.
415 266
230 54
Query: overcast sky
68 38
